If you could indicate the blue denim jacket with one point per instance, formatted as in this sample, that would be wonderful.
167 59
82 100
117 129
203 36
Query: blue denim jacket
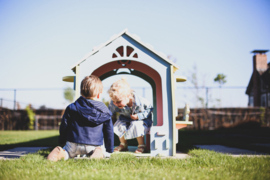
87 122
141 106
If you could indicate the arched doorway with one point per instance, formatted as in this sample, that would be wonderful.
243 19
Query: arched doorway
143 71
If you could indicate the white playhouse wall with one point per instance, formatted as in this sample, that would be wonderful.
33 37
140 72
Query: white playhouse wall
160 144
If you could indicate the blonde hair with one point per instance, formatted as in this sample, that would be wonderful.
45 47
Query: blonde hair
120 89
91 86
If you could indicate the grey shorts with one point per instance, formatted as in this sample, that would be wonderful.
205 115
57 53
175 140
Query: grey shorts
75 149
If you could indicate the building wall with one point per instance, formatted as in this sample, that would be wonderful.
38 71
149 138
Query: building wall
259 66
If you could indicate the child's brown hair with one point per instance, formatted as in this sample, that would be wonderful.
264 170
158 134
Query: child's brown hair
91 86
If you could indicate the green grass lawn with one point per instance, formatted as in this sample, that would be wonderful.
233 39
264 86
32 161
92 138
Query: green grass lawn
11 139
202 164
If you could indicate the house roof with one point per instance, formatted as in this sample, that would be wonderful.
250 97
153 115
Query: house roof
250 85
134 37
259 51
264 76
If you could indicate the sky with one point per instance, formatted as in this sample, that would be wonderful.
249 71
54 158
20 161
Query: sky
41 40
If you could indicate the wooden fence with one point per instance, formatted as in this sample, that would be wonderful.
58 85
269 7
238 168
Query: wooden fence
203 119
215 118
19 120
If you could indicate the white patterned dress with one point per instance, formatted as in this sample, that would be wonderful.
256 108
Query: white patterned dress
129 128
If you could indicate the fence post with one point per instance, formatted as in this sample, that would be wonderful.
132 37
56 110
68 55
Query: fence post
36 123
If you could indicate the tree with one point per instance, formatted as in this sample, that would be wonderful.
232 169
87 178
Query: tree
69 94
195 82
31 116
105 102
42 107
221 79
173 59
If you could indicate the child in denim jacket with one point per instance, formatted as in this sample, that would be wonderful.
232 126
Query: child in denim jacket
85 124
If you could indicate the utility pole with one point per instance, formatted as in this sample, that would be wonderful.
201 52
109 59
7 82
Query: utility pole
14 99
206 104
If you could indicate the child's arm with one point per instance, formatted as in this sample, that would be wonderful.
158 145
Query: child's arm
64 127
108 135
144 114
134 116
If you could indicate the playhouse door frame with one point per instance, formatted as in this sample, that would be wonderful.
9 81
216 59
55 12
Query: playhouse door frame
144 69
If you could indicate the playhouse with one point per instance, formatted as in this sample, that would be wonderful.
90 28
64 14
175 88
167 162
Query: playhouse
126 50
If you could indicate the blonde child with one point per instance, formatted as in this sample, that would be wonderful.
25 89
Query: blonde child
85 124
135 118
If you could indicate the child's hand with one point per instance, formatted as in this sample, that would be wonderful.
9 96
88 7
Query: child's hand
134 116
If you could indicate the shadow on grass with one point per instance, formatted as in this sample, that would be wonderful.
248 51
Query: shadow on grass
44 142
53 142
248 136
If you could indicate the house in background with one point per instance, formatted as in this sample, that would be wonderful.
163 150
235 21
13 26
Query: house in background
258 89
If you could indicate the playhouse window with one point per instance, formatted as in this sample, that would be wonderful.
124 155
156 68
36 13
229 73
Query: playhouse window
135 55
120 50
128 51
114 55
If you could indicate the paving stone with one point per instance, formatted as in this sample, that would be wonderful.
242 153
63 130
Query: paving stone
19 151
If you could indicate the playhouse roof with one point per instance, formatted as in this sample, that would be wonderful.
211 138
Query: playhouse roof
136 38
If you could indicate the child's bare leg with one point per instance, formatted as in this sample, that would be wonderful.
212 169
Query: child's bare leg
122 140
140 140
141 146
122 146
